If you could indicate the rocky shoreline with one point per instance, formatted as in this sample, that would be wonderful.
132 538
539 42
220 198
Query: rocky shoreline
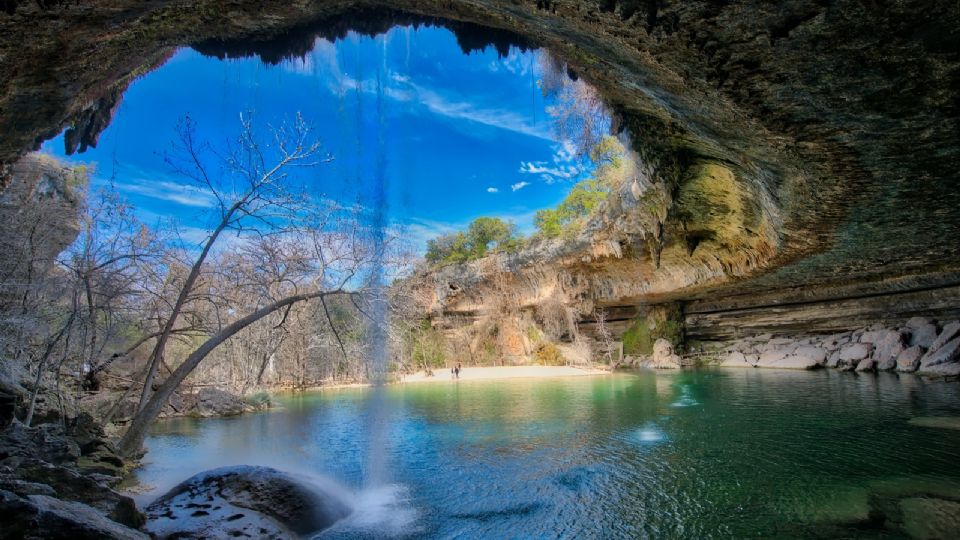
921 345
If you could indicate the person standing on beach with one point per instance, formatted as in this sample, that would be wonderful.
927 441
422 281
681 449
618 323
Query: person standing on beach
457 370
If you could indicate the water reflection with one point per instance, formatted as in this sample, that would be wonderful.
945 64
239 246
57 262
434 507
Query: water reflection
752 453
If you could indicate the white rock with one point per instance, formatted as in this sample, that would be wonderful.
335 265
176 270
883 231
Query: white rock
909 360
866 364
923 335
949 332
887 348
736 359
854 352
946 354
663 355
817 355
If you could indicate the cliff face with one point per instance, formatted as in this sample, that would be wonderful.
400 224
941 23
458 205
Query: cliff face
800 152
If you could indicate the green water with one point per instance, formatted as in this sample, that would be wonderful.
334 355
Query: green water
725 453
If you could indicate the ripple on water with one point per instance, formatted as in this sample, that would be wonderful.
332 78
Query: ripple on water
648 434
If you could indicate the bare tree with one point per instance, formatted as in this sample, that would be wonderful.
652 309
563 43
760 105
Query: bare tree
290 249
250 196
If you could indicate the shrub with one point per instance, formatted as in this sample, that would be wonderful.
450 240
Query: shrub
548 354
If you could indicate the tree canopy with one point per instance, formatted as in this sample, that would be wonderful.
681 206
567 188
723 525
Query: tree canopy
483 235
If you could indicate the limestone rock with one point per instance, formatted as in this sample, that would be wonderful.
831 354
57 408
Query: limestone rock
736 359
834 359
909 359
923 335
663 355
245 501
949 352
917 322
949 332
772 358
210 402
941 370
854 352
811 353
866 364
42 516
887 347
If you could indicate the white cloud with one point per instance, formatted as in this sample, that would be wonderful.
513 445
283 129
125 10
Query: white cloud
492 190
562 165
519 185
182 194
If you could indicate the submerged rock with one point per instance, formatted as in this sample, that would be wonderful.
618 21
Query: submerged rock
930 518
244 502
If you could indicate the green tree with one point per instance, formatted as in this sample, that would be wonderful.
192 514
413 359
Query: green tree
483 235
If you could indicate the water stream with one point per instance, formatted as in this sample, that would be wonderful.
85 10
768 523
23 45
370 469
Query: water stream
726 453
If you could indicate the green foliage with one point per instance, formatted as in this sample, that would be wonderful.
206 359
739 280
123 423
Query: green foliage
640 337
261 400
484 234
568 217
570 214
548 354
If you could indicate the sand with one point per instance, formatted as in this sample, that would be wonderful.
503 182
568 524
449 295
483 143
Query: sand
443 375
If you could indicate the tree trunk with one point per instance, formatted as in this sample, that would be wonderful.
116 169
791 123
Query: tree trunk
132 440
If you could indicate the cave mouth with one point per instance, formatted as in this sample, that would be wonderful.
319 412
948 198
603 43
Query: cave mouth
446 122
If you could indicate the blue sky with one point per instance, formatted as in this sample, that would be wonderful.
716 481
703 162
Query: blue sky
461 136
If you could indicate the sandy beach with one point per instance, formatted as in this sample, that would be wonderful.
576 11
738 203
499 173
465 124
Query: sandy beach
498 373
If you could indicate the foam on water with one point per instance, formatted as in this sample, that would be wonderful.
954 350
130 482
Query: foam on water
384 511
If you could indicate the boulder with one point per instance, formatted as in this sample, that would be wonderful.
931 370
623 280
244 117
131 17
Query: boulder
48 442
812 353
917 322
941 370
834 359
209 402
663 355
70 485
42 516
923 336
867 364
890 344
779 344
796 362
852 353
772 358
873 336
947 353
736 359
834 342
244 501
909 359
949 332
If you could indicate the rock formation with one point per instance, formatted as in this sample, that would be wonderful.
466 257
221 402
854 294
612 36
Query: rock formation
799 158
244 502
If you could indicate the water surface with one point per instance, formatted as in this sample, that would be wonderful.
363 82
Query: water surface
697 454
